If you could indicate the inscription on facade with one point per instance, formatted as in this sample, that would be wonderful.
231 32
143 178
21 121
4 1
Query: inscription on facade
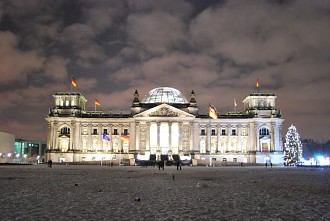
164 112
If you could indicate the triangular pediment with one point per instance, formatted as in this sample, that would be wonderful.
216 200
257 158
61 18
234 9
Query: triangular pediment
164 110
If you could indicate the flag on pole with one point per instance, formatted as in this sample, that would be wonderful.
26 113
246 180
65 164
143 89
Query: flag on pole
124 137
105 137
73 82
257 83
97 102
213 112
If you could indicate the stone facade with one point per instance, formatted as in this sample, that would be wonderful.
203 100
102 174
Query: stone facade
162 125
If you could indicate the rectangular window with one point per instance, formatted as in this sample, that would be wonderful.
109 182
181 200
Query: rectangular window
95 131
115 132
223 132
126 131
213 132
234 159
85 131
202 131
224 159
105 131
233 132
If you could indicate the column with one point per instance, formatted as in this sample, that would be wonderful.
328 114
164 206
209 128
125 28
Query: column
180 137
158 135
272 136
110 135
169 136
218 148
137 136
239 131
147 136
89 140
132 137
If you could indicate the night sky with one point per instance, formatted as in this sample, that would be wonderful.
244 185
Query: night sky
216 48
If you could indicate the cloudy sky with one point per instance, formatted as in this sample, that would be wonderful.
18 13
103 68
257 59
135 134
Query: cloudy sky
216 48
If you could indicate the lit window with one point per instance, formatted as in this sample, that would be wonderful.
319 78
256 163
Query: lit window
243 131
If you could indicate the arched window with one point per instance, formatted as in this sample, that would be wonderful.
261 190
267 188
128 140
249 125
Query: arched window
65 130
263 131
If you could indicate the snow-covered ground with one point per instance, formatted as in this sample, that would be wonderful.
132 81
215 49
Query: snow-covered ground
135 193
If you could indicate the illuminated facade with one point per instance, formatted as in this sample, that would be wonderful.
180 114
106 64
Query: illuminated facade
162 125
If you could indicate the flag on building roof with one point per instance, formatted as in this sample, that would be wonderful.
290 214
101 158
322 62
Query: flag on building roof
73 82
97 102
257 83
124 137
105 137
213 112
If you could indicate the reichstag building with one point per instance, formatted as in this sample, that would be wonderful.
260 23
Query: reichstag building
165 125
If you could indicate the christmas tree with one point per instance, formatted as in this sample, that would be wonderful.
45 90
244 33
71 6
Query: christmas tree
293 147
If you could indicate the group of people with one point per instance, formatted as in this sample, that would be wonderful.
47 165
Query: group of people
161 165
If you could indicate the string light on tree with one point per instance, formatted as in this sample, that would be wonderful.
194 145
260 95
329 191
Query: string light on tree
293 147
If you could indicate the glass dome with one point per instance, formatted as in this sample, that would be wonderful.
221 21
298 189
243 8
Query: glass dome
164 95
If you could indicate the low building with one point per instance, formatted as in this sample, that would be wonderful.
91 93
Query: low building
165 125
6 147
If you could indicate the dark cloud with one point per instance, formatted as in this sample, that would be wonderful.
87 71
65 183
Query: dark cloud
216 48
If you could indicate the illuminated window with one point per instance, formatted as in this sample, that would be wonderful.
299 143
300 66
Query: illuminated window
243 131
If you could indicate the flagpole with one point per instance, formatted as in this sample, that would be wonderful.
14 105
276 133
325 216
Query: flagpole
210 141
235 104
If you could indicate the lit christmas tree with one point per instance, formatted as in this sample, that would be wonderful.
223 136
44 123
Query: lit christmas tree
293 147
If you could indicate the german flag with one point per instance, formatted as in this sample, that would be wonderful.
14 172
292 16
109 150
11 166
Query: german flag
73 82
124 137
213 112
97 102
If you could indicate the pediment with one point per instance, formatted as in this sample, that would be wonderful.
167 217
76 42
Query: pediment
164 110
